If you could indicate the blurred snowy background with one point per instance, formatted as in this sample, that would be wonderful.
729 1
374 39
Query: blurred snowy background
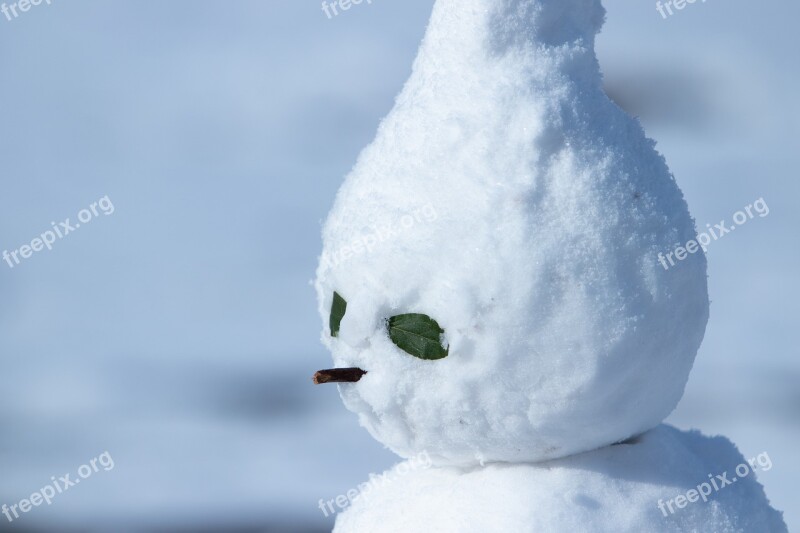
180 333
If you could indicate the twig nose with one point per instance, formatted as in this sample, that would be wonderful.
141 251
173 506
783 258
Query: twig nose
338 375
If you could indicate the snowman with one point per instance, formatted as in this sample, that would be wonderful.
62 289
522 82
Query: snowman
525 338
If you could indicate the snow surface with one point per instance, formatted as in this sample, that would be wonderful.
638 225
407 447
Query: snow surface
565 332
614 489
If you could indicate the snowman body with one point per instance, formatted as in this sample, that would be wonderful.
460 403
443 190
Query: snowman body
663 481
561 332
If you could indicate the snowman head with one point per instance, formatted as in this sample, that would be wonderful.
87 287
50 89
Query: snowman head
491 264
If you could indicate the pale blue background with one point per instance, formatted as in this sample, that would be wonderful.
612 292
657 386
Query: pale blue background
179 333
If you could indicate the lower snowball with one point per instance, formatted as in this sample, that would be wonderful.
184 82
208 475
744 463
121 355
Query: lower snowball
664 480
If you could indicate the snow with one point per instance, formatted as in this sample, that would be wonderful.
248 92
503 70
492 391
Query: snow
614 489
565 332
223 137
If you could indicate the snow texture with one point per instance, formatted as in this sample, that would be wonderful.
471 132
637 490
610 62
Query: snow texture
551 207
614 489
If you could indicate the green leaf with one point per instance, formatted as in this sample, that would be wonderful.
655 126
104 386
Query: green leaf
418 335
338 309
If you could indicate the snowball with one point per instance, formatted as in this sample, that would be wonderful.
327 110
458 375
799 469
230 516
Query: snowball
506 197
614 489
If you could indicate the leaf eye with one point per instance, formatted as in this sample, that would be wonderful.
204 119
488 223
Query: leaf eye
338 309
418 335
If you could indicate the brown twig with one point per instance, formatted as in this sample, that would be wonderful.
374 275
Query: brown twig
338 375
